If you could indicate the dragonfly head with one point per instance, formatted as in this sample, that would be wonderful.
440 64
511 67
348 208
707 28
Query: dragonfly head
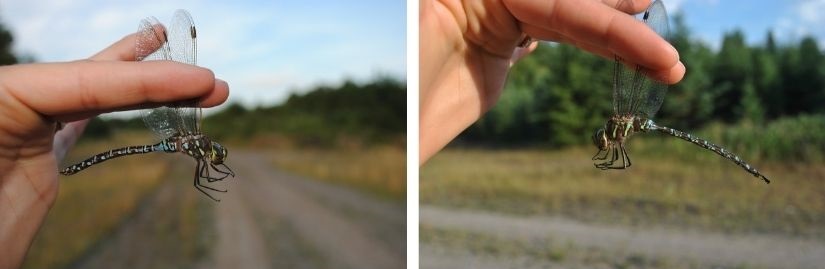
219 153
600 139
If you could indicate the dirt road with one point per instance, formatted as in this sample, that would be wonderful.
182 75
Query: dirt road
340 227
268 219
701 249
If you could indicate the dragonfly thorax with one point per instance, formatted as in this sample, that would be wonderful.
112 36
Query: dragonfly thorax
616 131
199 146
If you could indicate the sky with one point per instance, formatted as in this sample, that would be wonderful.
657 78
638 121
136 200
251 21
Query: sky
264 49
790 20
268 49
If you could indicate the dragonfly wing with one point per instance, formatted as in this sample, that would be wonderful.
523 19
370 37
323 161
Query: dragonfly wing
633 92
656 18
183 48
624 87
156 42
151 40
150 45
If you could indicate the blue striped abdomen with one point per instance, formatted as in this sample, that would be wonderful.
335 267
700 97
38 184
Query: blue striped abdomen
163 146
712 147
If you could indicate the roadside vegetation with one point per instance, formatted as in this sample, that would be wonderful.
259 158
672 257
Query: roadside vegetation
93 203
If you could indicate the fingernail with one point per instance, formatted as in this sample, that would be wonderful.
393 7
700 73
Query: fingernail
221 81
674 50
680 72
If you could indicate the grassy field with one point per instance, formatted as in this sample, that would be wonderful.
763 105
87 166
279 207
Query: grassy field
92 204
696 190
381 171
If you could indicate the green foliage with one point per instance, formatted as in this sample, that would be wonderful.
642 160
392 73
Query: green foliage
731 70
551 97
6 40
371 113
559 95
751 105
804 78
789 139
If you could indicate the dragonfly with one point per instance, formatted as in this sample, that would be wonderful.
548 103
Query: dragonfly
636 99
176 125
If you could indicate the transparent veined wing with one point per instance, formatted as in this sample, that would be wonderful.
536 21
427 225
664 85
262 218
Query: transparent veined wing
633 92
183 48
176 43
656 19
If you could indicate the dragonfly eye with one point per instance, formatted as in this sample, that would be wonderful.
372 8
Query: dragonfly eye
599 139
219 153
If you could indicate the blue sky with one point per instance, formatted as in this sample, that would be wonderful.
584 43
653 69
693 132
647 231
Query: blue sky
264 49
789 19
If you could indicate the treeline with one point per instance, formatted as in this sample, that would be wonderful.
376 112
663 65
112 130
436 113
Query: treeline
369 113
366 114
559 95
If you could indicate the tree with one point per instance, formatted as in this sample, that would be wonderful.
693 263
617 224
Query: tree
732 69
6 42
767 78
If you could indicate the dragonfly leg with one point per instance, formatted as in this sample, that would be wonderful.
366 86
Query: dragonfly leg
615 156
618 152
597 157
626 157
225 174
213 179
209 178
203 169
205 173
600 165
610 151
198 185
232 173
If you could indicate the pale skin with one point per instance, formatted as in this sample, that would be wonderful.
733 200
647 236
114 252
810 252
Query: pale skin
34 97
467 48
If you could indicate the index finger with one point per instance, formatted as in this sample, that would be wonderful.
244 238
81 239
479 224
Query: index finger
74 90
597 24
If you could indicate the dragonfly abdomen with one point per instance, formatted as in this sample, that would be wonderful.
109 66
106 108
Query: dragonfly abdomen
712 147
124 151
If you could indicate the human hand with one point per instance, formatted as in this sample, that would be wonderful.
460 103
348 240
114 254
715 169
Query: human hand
33 97
467 48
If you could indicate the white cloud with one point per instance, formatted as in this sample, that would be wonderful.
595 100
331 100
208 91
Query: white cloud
803 18
810 11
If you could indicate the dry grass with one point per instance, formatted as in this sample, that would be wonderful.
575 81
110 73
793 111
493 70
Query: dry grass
380 171
92 203
172 228
703 193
